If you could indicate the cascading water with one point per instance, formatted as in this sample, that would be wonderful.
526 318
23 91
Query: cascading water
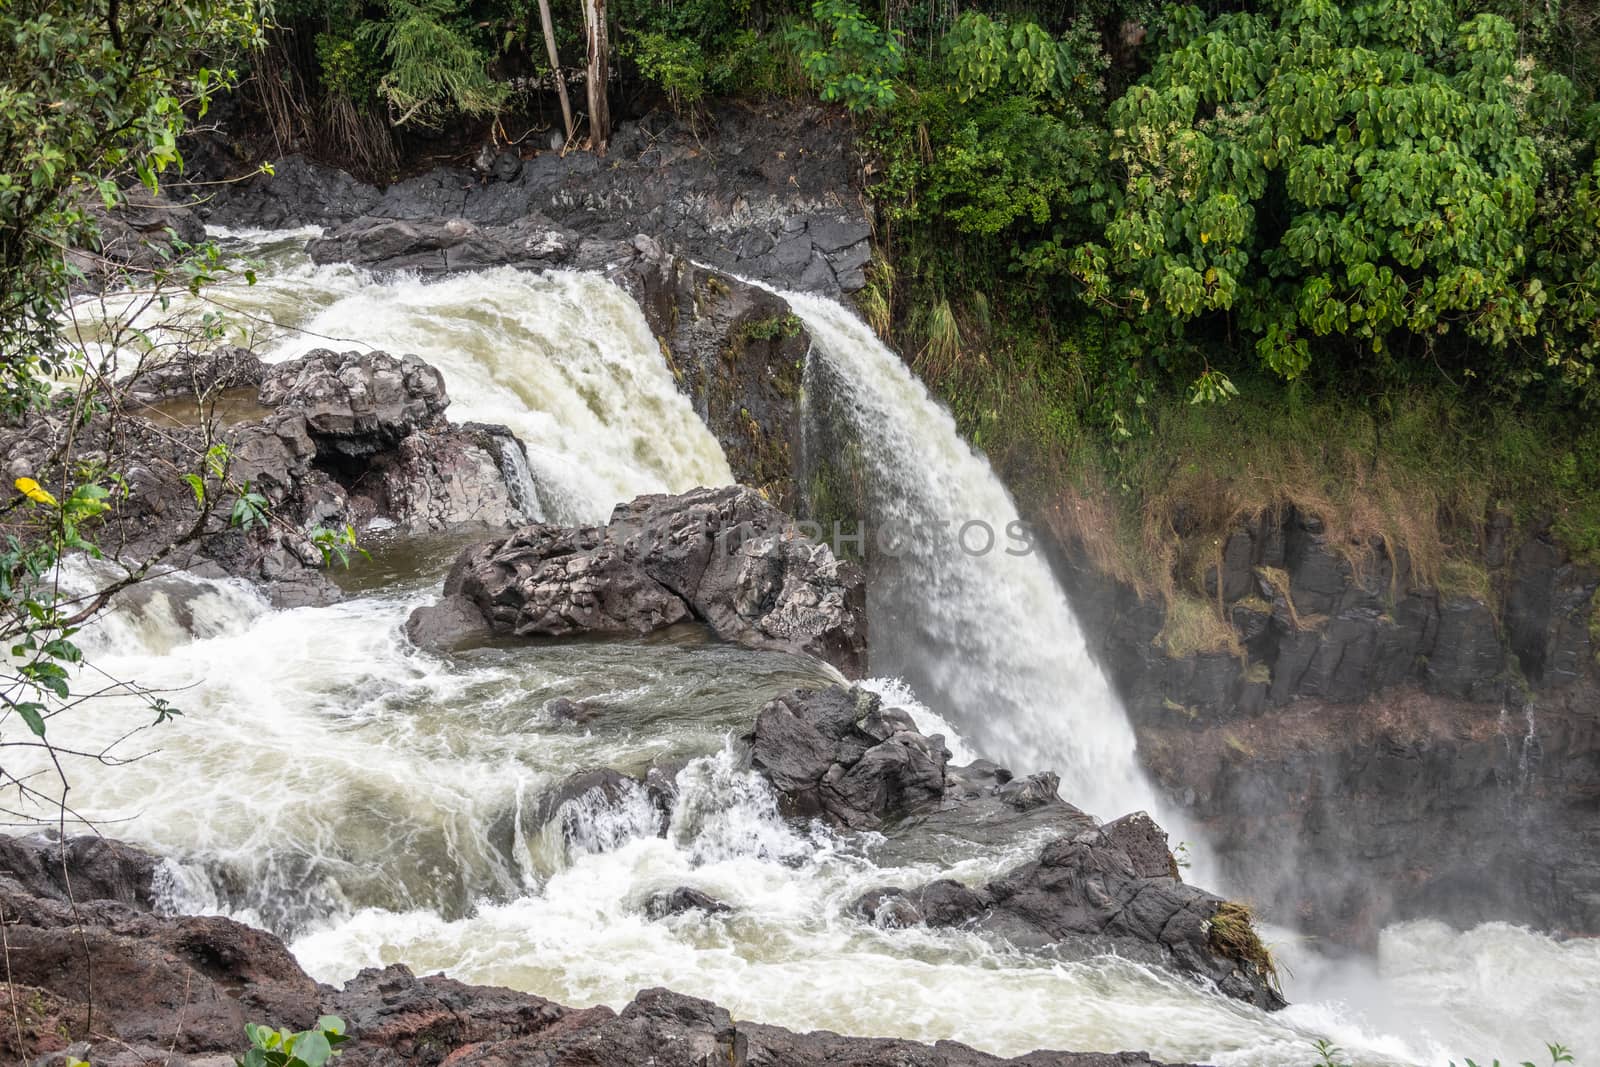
966 608
375 802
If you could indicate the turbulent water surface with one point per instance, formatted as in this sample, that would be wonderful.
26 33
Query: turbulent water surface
374 803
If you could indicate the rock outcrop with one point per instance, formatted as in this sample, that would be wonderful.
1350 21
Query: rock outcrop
763 192
135 238
738 353
1114 888
839 754
325 440
723 557
1376 747
177 992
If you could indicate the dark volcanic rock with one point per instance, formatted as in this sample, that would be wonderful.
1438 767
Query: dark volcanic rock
762 191
1108 889
95 868
724 557
839 753
433 246
135 238
1382 742
738 353
682 899
191 374
357 403
178 991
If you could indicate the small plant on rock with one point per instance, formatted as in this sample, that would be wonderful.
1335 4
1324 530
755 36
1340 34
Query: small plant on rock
284 1048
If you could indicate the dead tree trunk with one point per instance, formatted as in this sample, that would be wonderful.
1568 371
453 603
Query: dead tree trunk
555 65
594 24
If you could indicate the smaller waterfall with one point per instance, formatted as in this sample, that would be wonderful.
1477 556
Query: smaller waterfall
519 479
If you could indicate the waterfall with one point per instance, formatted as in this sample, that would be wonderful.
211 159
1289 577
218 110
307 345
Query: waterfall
375 802
519 479
967 609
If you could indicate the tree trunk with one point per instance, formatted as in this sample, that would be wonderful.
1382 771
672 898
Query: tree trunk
594 22
555 65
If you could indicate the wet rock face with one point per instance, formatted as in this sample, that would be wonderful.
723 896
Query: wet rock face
840 754
1344 818
1112 888
738 353
357 403
135 238
764 192
723 557
178 992
95 868
1382 749
682 899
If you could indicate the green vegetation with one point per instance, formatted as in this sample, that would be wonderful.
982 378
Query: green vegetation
1233 936
284 1048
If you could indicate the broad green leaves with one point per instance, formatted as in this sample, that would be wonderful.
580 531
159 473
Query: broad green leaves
286 1048
849 58
1322 171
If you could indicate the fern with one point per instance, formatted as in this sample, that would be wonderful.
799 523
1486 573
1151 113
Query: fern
434 69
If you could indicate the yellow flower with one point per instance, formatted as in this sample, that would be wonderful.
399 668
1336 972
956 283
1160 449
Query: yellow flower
35 492
1204 237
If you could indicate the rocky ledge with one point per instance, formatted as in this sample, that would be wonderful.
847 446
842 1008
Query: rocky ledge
722 557
108 981
328 439
766 192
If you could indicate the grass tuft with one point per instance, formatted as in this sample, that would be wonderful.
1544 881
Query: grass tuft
1233 936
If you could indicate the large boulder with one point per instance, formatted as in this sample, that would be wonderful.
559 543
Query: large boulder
724 557
357 403
1114 888
841 754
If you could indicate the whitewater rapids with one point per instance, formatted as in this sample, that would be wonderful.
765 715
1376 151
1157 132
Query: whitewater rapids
367 800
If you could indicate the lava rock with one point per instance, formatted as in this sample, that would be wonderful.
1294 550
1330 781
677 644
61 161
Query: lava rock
1112 888
682 899
358 403
724 557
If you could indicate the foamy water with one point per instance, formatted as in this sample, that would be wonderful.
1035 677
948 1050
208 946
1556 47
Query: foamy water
374 802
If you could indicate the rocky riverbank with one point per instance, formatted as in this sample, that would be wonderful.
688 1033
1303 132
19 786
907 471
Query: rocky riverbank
108 980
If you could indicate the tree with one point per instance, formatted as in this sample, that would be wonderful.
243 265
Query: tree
594 24
92 100
1360 173
555 65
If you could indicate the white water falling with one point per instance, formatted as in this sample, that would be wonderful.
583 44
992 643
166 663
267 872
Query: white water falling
978 626
371 799
519 480
565 360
